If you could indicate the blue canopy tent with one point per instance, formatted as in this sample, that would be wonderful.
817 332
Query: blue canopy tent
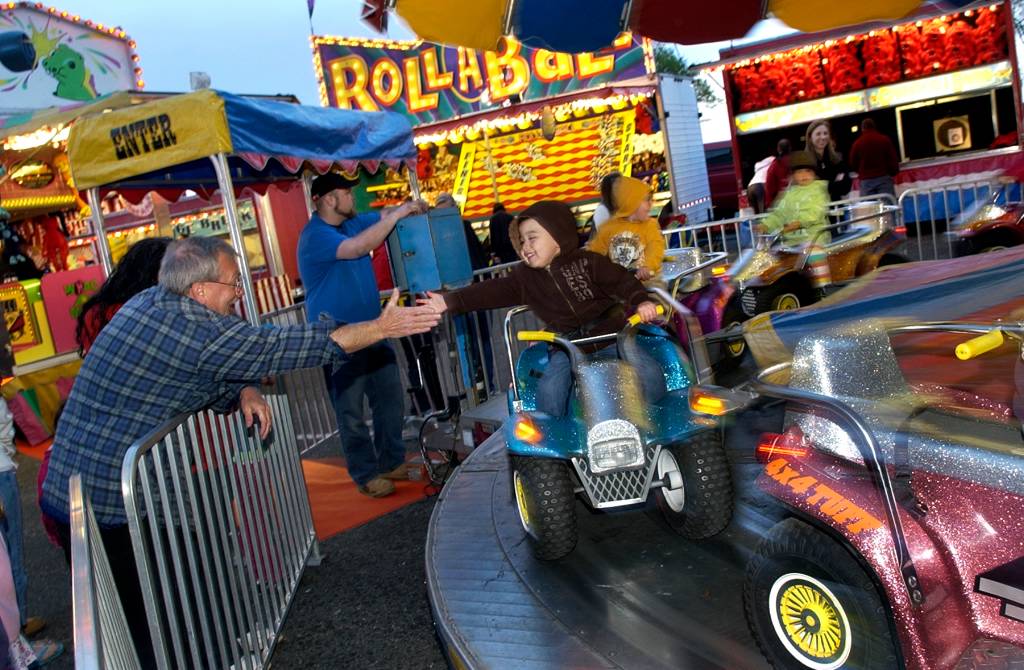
211 140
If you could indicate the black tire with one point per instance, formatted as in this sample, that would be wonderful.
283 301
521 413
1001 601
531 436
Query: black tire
993 241
544 488
788 293
831 601
703 507
891 259
730 353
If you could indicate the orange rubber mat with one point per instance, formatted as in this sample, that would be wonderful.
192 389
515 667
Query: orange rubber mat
338 505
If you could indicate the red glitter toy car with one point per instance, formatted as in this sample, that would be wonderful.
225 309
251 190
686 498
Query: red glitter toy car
993 223
902 542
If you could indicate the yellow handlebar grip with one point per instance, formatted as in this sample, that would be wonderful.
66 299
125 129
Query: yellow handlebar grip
635 319
976 346
535 336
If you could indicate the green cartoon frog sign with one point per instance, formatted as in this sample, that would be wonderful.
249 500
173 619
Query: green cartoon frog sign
74 80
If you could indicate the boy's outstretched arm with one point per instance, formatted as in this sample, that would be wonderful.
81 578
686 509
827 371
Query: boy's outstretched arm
490 294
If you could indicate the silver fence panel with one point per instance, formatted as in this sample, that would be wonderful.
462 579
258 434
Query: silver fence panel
736 235
221 529
102 638
928 212
733 236
315 423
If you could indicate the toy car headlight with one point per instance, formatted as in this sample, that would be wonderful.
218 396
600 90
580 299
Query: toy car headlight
614 445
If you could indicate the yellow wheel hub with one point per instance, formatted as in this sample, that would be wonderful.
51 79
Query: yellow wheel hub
524 511
812 621
787 301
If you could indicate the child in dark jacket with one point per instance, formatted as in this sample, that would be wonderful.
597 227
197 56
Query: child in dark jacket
577 293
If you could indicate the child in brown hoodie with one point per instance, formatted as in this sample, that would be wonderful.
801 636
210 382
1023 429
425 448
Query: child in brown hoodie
577 293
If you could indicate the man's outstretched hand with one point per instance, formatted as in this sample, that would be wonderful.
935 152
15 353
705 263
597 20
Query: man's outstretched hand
434 301
397 321
254 405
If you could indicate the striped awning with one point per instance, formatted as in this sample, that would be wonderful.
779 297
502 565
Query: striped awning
574 26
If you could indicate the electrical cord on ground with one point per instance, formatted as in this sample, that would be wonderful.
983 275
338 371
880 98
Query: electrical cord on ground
438 474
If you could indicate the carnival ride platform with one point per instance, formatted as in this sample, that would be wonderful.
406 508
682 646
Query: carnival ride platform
632 594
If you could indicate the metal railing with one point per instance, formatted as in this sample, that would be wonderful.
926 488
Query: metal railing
927 212
732 236
312 413
102 638
736 235
221 530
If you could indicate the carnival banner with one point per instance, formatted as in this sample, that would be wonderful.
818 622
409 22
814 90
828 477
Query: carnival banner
50 58
522 168
127 142
430 82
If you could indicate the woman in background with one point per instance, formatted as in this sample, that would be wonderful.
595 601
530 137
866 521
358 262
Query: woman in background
831 168
136 272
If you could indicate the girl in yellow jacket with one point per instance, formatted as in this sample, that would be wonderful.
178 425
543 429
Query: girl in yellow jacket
631 237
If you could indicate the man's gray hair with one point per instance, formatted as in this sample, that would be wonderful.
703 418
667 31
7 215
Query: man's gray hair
192 260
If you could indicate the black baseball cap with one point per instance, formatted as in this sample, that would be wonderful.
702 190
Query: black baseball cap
328 182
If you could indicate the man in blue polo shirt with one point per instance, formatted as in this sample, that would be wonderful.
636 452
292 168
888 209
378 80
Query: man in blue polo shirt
337 273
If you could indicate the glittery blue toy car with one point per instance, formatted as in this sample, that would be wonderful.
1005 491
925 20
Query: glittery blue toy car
613 448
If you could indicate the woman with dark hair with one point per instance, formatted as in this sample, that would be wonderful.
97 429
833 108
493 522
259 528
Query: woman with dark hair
832 169
136 272
778 174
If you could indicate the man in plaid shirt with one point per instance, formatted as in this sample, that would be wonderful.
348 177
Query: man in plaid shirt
178 347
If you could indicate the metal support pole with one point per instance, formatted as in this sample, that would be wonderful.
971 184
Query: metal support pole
414 183
268 229
307 193
93 195
227 193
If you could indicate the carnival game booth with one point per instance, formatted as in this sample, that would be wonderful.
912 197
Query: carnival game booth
53 64
519 124
52 262
943 86
211 140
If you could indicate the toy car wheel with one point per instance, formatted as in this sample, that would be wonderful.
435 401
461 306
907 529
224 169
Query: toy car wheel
809 604
733 316
891 259
702 506
546 503
993 241
783 295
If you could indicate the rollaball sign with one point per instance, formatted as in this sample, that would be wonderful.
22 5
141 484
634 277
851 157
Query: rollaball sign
430 82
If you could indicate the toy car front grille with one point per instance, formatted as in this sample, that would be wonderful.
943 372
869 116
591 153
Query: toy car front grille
748 302
615 489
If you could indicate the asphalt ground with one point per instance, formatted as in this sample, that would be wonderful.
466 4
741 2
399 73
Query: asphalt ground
49 580
365 606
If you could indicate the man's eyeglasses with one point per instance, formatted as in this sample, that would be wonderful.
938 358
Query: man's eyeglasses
237 284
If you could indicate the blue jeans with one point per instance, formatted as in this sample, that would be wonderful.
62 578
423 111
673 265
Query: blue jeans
878 186
371 373
11 527
555 385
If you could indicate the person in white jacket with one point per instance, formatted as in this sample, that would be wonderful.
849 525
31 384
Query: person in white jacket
43 651
755 189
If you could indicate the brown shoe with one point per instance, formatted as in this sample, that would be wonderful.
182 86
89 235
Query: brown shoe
33 625
399 473
377 488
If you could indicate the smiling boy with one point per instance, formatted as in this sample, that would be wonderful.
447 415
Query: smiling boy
577 293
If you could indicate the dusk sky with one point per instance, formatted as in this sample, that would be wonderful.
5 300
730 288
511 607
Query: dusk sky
249 47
